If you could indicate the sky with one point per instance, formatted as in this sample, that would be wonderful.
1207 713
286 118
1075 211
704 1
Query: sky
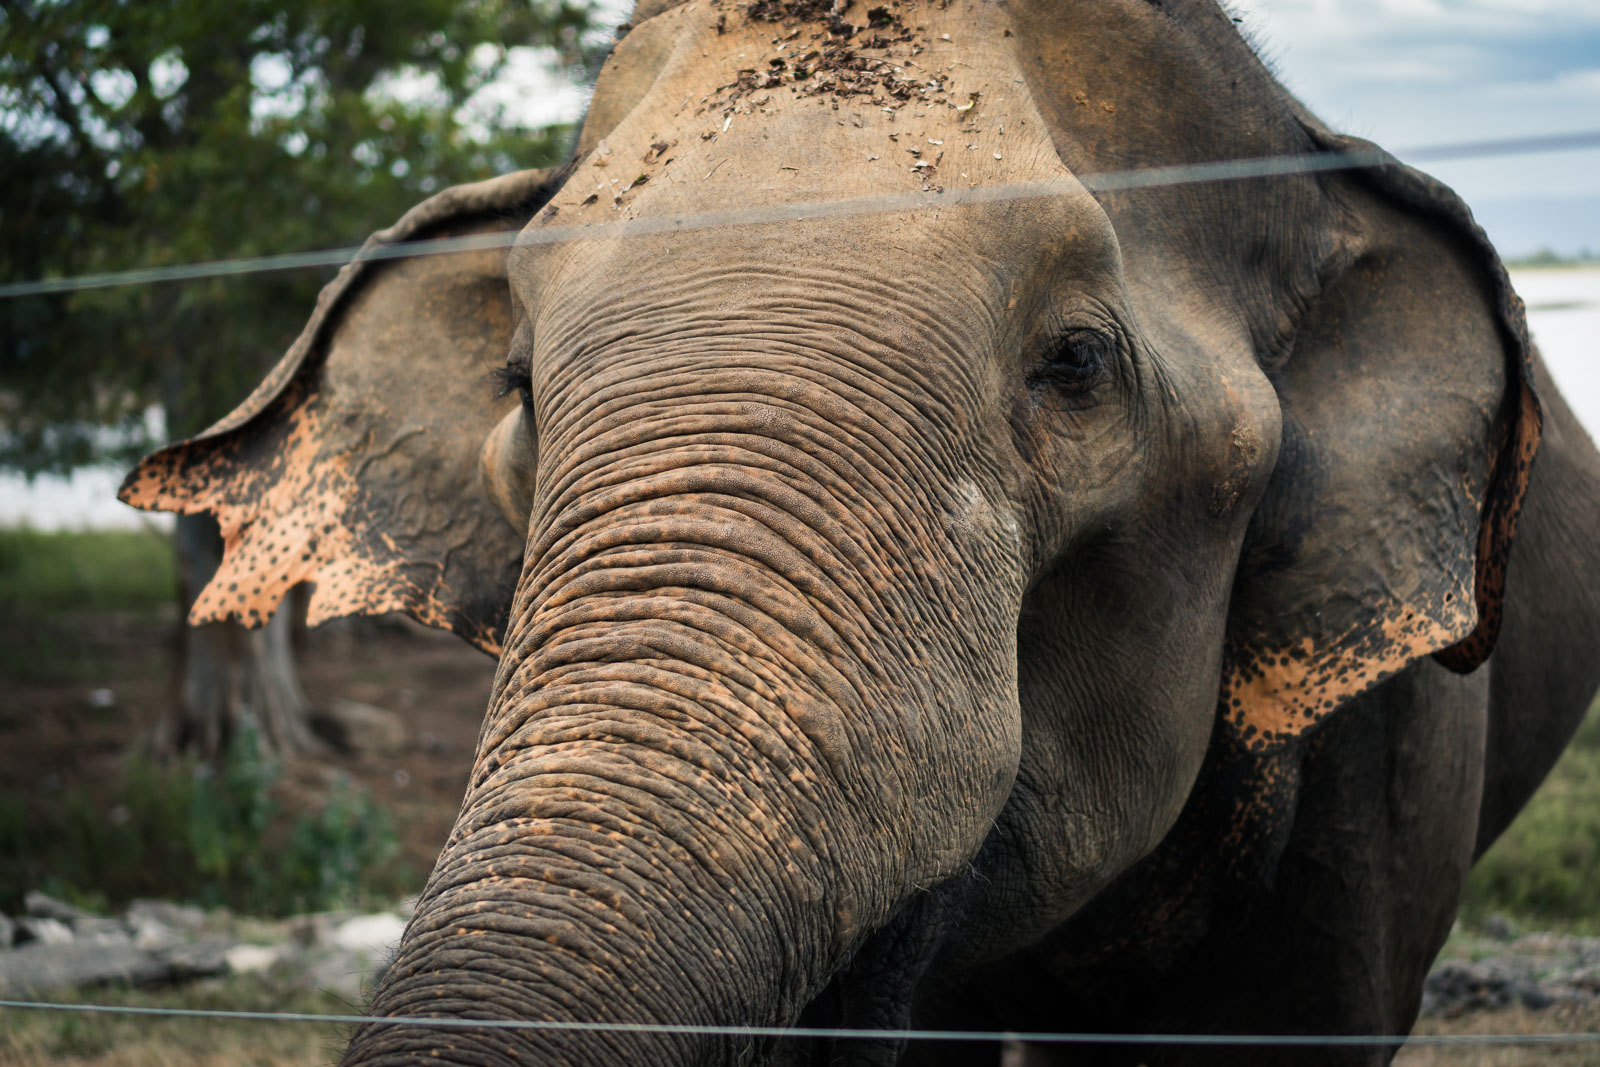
1409 73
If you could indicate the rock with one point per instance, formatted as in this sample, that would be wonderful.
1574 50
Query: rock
1454 988
254 959
41 906
316 928
160 942
1534 981
158 923
1530 996
101 932
1500 928
42 966
46 931
181 917
371 935
336 972
345 953
1585 980
151 934
360 730
196 959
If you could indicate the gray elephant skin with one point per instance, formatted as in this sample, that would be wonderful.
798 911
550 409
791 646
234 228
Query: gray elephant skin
1104 611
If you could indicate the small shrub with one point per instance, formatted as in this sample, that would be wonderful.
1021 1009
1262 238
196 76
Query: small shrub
330 855
211 835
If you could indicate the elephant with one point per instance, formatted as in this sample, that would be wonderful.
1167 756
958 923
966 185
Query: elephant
934 587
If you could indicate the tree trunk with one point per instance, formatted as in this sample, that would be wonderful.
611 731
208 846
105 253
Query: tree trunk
229 674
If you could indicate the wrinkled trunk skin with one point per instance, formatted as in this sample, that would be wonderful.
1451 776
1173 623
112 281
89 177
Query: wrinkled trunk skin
229 674
722 747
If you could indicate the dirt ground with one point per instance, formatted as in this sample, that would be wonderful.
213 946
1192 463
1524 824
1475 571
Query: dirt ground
80 694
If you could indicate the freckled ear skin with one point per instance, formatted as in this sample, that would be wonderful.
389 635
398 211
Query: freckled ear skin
1410 427
354 464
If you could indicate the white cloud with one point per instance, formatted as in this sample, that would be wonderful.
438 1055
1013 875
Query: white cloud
1409 73
1585 82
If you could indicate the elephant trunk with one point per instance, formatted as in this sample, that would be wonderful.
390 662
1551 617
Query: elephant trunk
631 858
694 791
627 879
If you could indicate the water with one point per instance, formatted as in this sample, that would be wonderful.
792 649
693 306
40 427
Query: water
1563 312
1564 315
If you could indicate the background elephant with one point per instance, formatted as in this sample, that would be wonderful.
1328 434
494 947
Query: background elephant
1059 611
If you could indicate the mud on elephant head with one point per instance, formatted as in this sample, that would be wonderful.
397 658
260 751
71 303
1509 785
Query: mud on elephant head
847 538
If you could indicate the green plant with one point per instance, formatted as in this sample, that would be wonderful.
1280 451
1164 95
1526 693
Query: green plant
212 835
230 812
329 854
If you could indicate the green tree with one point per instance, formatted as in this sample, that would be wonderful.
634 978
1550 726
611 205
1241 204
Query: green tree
135 134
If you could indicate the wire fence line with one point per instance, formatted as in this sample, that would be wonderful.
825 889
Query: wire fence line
1103 182
694 1030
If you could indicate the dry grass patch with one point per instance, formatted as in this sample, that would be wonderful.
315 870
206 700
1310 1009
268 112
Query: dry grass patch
36 1038
1563 1019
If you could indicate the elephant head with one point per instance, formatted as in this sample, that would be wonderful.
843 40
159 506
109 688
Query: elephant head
879 522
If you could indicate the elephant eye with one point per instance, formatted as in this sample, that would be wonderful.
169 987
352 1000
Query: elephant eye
1074 359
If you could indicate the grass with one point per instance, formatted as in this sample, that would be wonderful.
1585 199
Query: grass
59 591
45 574
1544 871
33 1038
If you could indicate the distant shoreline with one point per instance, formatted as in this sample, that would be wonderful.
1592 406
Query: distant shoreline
1539 262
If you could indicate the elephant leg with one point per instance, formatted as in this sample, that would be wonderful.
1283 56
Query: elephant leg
1369 883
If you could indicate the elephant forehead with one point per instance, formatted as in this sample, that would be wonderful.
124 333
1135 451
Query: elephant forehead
758 102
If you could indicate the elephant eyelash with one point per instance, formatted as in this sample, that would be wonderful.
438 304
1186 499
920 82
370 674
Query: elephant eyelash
516 377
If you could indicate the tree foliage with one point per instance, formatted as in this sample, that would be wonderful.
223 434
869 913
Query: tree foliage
135 134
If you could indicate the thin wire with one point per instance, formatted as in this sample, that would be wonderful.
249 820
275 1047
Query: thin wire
1108 181
689 1030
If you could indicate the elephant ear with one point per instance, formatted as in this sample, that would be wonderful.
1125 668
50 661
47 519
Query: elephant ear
1410 427
355 464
